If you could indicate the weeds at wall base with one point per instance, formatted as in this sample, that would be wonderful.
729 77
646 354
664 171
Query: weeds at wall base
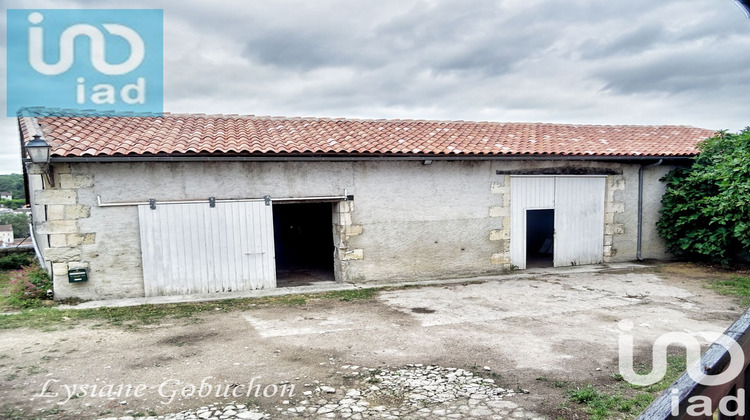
45 318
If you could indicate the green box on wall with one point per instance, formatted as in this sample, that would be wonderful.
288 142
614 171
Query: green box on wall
77 275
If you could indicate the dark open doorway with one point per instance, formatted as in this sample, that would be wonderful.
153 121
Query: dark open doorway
303 236
540 234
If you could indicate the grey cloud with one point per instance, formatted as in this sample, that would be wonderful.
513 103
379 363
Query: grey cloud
439 37
306 51
583 12
673 73
635 41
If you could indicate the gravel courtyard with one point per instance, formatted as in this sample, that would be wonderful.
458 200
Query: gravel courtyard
474 349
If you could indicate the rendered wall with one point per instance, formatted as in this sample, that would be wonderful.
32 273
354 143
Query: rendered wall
408 221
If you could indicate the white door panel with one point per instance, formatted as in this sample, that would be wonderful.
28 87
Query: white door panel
195 248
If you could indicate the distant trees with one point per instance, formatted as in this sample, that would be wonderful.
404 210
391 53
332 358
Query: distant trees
706 209
20 222
13 184
13 204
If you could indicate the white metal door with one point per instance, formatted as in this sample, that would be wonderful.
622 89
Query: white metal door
578 202
579 221
526 193
195 248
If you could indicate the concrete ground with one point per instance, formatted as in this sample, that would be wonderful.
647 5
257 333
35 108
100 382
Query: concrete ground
556 325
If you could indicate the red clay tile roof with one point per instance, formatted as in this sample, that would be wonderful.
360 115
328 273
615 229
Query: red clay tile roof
90 136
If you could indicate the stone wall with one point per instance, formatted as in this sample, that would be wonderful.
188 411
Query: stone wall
60 223
408 221
501 212
613 206
343 230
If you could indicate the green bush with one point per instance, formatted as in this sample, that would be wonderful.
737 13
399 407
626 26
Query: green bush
16 260
28 286
705 211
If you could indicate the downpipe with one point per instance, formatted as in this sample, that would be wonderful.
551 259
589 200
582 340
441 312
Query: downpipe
639 241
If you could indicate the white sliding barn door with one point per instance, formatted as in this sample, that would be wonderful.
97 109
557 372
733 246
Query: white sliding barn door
578 202
526 193
195 248
579 221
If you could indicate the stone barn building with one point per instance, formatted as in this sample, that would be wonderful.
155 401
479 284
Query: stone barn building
133 206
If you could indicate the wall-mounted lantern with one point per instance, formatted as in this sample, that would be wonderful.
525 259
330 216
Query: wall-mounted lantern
39 152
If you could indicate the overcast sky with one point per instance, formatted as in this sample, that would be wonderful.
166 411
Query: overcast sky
575 61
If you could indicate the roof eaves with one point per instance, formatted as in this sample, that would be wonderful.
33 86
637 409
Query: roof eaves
280 157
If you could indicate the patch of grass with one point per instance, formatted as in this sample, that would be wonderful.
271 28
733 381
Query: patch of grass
675 368
601 405
584 395
11 414
349 295
293 300
34 369
48 318
624 398
735 286
5 305
51 411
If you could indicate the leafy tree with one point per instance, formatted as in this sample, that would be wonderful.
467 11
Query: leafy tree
19 221
13 204
706 209
13 184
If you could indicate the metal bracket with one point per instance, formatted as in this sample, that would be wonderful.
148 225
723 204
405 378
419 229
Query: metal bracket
152 203
267 199
212 202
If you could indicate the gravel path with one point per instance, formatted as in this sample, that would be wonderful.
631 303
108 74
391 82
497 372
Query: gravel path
415 391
